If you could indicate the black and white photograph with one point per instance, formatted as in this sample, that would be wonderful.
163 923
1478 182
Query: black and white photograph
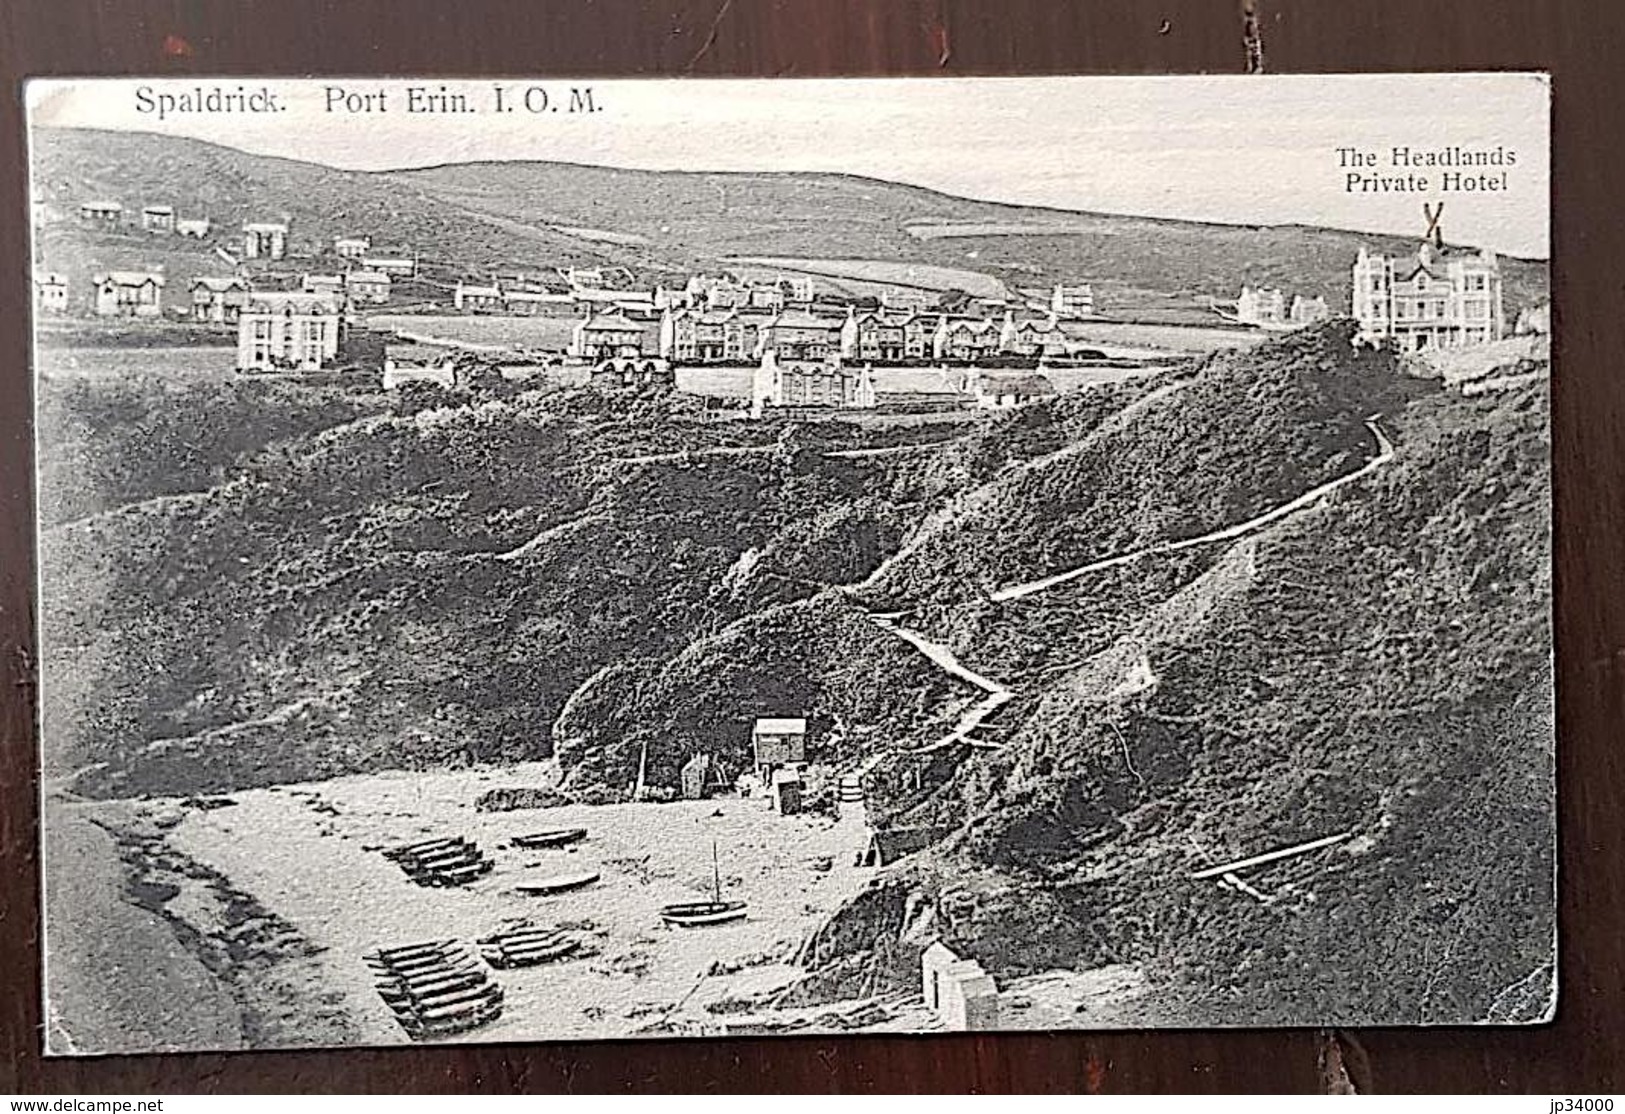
557 559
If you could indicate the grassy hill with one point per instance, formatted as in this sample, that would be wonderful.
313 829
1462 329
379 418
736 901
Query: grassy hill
472 217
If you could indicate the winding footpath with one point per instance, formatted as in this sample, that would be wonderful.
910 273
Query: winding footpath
997 695
1385 453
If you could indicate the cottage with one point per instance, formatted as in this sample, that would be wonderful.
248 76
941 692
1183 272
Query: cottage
776 385
967 339
351 247
102 212
1264 305
469 297
367 287
278 331
158 218
128 293
603 278
601 336
796 334
777 742
1031 338
530 299
418 363
870 336
195 228
1002 392
50 292
1072 302
331 286
265 240
959 991
908 299
395 266
1434 298
218 300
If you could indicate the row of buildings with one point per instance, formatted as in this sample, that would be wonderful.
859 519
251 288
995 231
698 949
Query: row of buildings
212 299
705 336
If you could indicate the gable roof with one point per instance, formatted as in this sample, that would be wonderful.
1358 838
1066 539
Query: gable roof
219 285
128 278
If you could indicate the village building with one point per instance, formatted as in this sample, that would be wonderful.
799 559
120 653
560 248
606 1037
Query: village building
220 300
1308 311
50 292
331 286
600 278
796 334
777 742
530 299
265 240
1003 392
102 212
128 293
1433 298
967 339
870 336
813 384
919 331
158 218
418 363
351 247
1263 305
1035 337
769 298
367 287
473 297
395 266
601 336
1072 302
709 336
284 331
959 991
195 228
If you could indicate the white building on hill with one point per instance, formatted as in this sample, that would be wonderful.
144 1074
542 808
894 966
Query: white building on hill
1434 298
279 331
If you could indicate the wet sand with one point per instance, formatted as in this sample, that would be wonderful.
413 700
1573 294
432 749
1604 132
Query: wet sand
117 977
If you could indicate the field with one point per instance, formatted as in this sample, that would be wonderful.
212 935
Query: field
884 272
188 363
545 333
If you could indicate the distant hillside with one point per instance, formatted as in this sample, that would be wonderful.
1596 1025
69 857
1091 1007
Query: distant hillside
477 216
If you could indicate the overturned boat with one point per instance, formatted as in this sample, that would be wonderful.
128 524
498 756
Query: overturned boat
556 837
556 883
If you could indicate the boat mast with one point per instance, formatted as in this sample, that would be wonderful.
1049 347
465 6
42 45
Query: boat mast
716 873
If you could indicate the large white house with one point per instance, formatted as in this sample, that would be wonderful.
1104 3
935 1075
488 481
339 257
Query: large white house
278 331
1432 299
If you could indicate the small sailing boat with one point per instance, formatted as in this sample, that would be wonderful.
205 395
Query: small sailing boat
696 914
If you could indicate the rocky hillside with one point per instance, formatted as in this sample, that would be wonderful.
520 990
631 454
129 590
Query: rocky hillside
1330 617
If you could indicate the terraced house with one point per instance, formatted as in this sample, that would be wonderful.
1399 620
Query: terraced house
218 299
709 336
796 334
871 336
1436 298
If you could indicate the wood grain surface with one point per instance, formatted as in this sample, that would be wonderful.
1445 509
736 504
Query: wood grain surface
1578 41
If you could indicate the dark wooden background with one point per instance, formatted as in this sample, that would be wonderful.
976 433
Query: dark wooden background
1579 42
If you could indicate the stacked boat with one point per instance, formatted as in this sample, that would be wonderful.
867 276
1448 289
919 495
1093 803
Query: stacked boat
435 988
527 945
453 861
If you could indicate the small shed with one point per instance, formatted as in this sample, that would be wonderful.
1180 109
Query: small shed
787 791
886 847
959 991
778 741
693 776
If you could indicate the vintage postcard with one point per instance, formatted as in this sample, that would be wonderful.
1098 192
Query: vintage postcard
562 559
